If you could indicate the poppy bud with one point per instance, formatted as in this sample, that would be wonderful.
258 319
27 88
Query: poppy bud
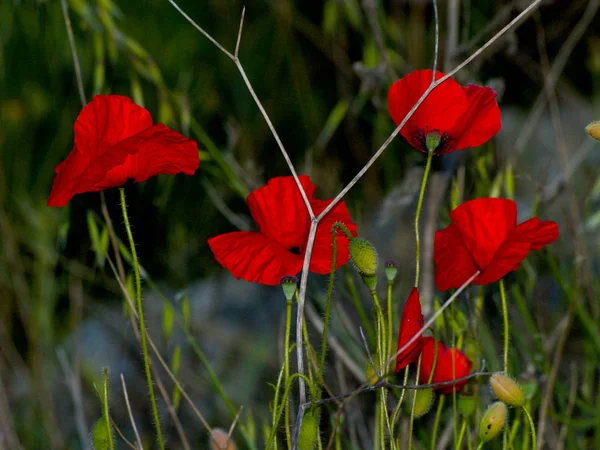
466 404
432 140
422 401
391 269
308 430
493 421
507 390
370 281
364 256
593 129
370 373
289 285
220 440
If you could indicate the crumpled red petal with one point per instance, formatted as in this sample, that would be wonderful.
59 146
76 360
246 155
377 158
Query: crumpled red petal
440 111
451 364
453 262
481 120
254 257
279 210
410 324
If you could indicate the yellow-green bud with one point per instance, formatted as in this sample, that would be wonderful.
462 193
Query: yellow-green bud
466 404
593 129
370 373
308 430
289 285
507 390
364 256
422 401
493 421
100 436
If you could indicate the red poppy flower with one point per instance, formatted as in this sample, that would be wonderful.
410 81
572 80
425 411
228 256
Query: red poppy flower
277 249
116 141
451 364
462 117
410 324
484 236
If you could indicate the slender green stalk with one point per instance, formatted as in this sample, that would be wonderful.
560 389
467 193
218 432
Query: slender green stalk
480 446
506 329
399 405
286 368
532 426
418 216
436 423
105 411
463 428
412 410
389 318
362 314
138 292
276 401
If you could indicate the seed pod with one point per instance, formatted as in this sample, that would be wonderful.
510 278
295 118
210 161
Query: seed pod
493 421
220 440
507 390
593 129
391 269
423 401
364 256
289 284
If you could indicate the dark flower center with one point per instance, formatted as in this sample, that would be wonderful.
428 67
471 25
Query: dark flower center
445 141
294 250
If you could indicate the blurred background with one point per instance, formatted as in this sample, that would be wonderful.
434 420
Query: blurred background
322 71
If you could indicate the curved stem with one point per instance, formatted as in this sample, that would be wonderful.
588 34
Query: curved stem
418 216
138 294
506 329
436 424
412 410
286 368
389 318
111 445
532 426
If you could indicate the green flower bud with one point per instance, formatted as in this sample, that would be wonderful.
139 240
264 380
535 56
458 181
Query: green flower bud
507 390
422 401
432 140
391 269
308 430
493 421
466 404
363 255
593 129
370 281
289 285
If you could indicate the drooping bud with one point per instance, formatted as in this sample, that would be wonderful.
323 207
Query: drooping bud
391 269
220 440
432 140
507 390
364 256
308 430
593 129
466 405
493 421
422 401
289 285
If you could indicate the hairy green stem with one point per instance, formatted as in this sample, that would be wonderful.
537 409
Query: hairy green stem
418 216
286 368
389 318
506 329
138 292
105 411
436 423
532 426
412 410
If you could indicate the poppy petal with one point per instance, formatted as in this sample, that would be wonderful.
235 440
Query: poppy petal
440 111
484 224
453 262
481 120
254 257
451 364
280 213
320 261
107 120
530 235
410 324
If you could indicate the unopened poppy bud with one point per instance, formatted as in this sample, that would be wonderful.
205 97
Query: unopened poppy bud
432 140
289 285
220 440
391 269
370 373
370 281
466 404
363 255
493 421
507 390
422 401
593 129
308 430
